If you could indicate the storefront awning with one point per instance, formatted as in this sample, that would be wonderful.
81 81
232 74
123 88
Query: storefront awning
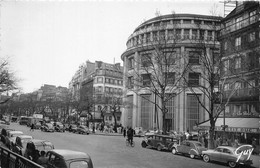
248 125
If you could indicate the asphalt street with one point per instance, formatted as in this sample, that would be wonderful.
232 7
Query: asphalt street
112 152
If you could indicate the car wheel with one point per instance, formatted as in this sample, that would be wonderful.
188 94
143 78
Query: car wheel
159 147
232 164
174 151
143 144
206 158
192 156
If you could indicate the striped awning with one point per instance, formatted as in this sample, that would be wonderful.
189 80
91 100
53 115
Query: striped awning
248 125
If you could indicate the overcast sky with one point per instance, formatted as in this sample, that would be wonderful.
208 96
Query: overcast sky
46 41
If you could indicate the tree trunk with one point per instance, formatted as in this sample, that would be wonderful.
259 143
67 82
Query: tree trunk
164 124
211 144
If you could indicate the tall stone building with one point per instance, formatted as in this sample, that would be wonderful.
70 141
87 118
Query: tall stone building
182 32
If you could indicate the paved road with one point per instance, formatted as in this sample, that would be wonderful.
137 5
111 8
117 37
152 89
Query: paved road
111 151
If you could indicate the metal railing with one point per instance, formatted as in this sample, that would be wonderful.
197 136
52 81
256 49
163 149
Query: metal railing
9 159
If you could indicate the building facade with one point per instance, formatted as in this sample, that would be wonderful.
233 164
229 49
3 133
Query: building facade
240 47
184 33
99 80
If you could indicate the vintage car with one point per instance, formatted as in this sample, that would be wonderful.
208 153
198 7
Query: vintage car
38 125
83 129
35 146
11 137
191 148
59 127
20 144
160 142
73 128
47 127
230 155
62 158
4 132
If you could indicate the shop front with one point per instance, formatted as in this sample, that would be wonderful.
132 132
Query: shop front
243 129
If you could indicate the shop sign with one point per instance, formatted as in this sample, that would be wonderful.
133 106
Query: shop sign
233 129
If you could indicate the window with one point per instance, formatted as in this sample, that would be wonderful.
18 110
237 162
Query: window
170 77
227 109
131 63
176 21
226 65
146 60
194 57
238 23
146 78
237 63
148 37
194 79
170 34
225 45
197 22
237 85
226 86
110 118
251 84
202 33
162 35
194 34
208 22
130 82
210 35
251 36
178 33
238 42
252 16
186 34
237 109
100 80
155 36
169 57
186 21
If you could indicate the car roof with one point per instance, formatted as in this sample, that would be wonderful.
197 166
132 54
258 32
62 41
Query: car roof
70 154
38 141
15 132
25 136
227 147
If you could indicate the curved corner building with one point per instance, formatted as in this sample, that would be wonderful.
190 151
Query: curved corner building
184 110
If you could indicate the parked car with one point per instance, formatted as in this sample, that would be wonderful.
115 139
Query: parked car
229 155
38 125
4 122
83 129
160 142
35 146
61 158
47 127
59 127
11 137
20 144
4 134
191 148
73 128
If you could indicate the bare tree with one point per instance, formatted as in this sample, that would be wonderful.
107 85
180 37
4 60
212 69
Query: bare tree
8 82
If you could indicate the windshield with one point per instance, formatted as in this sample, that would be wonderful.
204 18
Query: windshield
16 134
79 164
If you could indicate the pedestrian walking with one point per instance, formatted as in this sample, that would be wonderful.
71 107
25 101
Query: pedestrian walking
206 140
32 127
124 132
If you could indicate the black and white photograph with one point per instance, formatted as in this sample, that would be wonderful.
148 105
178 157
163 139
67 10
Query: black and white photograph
129 83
